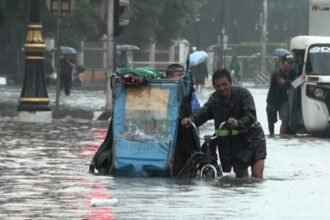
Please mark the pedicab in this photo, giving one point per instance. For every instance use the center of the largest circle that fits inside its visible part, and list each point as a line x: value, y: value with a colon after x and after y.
x: 143, y: 134
x: 144, y: 137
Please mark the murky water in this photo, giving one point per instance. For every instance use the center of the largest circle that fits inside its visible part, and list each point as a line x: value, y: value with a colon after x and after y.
x: 44, y: 175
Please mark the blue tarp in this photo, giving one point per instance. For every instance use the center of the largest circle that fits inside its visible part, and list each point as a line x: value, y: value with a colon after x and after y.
x: 145, y: 123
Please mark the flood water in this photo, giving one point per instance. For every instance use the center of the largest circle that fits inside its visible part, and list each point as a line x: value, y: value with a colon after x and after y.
x: 44, y: 175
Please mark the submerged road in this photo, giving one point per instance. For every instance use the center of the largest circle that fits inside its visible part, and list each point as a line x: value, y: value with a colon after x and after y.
x: 44, y: 175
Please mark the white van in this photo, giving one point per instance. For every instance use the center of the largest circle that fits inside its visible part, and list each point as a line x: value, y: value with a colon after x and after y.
x: 312, y: 58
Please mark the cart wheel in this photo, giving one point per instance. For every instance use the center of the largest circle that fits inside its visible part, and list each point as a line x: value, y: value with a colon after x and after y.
x: 208, y: 171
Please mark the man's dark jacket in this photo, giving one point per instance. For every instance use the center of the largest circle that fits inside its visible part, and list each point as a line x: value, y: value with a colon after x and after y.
x: 278, y: 94
x: 239, y: 147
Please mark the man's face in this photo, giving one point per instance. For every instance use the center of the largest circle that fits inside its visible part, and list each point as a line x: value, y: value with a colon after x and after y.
x: 174, y: 75
x: 222, y: 86
x: 287, y: 65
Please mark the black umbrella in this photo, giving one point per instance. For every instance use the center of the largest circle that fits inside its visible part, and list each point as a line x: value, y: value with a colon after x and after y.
x: 279, y: 52
x: 65, y: 50
x: 127, y: 47
x: 212, y: 47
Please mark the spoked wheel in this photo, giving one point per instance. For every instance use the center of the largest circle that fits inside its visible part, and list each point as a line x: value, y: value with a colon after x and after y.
x: 190, y: 169
x: 202, y: 163
x: 208, y: 171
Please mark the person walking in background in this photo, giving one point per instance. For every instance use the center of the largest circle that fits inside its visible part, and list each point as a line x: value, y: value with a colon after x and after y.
x: 200, y: 74
x: 235, y: 70
x: 242, y: 144
x: 48, y: 68
x: 67, y: 66
x: 277, y: 97
x: 190, y: 105
x: 175, y: 71
x: 123, y: 61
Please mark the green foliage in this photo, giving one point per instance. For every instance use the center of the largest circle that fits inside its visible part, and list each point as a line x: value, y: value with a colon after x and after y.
x: 174, y: 17
x: 84, y: 19
x: 14, y: 10
x: 287, y: 19
x: 159, y: 21
x: 81, y: 24
x: 13, y: 15
x: 143, y: 20
x: 2, y: 12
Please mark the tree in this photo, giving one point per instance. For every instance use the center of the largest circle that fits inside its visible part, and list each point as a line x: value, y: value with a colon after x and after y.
x: 242, y: 21
x: 287, y: 19
x: 159, y: 21
x: 81, y: 24
x: 13, y: 20
x: 175, y: 16
x: 14, y: 16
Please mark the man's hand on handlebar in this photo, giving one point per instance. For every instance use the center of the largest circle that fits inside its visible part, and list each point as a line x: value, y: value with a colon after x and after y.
x: 233, y: 123
x: 186, y: 122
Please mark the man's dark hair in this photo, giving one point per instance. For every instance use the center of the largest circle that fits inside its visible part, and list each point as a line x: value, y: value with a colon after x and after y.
x: 287, y: 58
x: 220, y: 74
x: 175, y: 67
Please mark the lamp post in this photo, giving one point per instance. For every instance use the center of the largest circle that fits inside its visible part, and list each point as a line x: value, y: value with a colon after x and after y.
x: 110, y: 53
x: 59, y: 8
x: 221, y: 36
x: 264, y: 37
x: 33, y: 102
x: 235, y: 40
x: 198, y: 36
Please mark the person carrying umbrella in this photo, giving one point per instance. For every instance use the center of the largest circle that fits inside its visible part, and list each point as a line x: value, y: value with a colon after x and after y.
x: 200, y: 74
x: 190, y: 104
x: 67, y: 65
x: 198, y: 68
x: 279, y: 53
x: 175, y: 71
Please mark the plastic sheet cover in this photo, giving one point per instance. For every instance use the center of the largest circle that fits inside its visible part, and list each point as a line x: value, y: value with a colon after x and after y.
x: 145, y: 128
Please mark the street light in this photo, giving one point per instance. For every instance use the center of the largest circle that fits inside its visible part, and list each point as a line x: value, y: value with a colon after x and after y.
x: 66, y: 6
x: 117, y: 20
x: 33, y: 101
x: 59, y: 8
x: 221, y: 35
x: 264, y: 36
x: 198, y: 37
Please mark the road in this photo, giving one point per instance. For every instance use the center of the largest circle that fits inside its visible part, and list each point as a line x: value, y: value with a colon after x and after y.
x: 44, y: 175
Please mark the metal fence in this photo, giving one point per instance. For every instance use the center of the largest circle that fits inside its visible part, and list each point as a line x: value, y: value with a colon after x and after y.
x: 93, y: 56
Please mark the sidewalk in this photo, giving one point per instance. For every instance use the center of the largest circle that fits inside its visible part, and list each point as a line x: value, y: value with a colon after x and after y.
x: 82, y: 103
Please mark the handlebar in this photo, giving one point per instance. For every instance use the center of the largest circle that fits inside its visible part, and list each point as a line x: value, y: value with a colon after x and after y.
x: 222, y: 124
x: 206, y: 137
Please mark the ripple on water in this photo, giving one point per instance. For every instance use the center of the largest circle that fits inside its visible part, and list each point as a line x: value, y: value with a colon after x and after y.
x: 43, y: 174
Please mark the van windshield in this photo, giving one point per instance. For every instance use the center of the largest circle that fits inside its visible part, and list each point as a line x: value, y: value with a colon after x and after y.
x: 318, y: 60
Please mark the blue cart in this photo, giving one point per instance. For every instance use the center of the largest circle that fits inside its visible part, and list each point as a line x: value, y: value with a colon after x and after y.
x: 143, y: 137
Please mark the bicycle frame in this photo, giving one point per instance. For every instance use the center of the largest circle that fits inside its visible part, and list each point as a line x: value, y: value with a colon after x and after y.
x: 203, y: 164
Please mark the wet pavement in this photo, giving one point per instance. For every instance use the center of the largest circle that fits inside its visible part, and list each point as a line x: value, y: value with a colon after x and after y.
x: 44, y: 173
x: 81, y: 103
